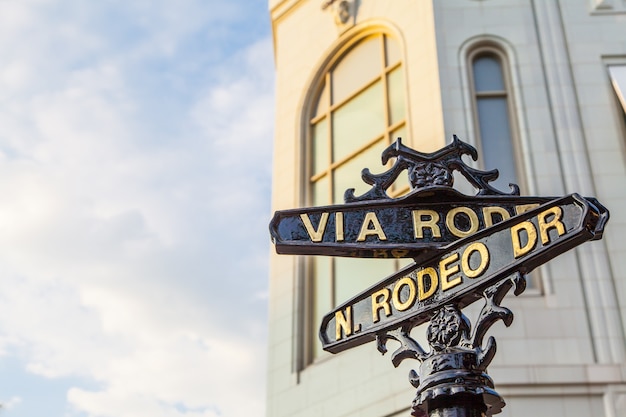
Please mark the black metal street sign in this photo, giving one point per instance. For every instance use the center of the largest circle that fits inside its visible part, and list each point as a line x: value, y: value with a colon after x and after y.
x: 464, y: 247
x: 463, y: 270
x: 402, y: 228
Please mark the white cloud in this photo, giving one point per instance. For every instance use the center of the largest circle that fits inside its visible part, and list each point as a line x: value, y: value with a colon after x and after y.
x: 133, y: 219
x: 11, y: 403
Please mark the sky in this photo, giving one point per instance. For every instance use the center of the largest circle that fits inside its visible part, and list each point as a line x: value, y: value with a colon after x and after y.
x: 135, y: 170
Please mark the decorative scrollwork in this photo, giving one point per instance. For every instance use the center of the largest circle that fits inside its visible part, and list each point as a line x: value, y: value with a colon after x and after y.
x: 427, y: 170
x: 457, y: 360
x: 447, y: 328
x: 409, y: 348
x: 430, y: 173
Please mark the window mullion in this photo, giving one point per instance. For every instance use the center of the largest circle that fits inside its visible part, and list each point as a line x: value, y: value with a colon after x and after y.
x: 329, y: 138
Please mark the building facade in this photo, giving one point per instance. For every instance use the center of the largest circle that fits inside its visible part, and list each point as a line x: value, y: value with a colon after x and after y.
x: 539, y: 88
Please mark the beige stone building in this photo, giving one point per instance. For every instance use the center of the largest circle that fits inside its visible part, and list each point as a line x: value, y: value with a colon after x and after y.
x: 539, y: 88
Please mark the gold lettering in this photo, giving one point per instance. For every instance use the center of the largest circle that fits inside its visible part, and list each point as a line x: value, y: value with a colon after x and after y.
x: 445, y: 273
x: 434, y: 282
x: 523, y: 208
x: 531, y: 233
x: 469, y: 213
x: 339, y: 226
x: 484, y: 259
x: 343, y: 323
x: 555, y: 223
x: 397, y: 302
x: 380, y: 299
x: 419, y: 223
x: 370, y: 218
x: 315, y: 235
x: 399, y: 253
x: 380, y: 253
x: 488, y: 213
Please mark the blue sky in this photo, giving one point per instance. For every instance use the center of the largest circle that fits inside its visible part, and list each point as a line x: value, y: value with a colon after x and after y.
x: 135, y: 160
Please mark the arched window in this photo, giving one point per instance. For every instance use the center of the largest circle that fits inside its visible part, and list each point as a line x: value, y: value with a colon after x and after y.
x: 358, y: 111
x: 494, y: 118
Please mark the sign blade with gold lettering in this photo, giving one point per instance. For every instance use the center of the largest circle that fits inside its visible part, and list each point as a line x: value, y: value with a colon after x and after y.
x: 399, y: 228
x: 463, y: 270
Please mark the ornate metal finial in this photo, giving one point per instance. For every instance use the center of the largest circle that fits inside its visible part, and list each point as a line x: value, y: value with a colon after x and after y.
x: 428, y: 171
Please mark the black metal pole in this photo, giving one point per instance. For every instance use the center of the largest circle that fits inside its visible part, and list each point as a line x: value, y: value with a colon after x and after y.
x: 457, y: 406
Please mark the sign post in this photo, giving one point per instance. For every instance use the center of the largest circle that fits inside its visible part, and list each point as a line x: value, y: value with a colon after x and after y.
x: 465, y: 248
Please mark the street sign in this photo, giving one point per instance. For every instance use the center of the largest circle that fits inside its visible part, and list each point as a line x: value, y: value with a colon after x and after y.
x: 464, y: 248
x: 400, y: 228
x: 463, y: 270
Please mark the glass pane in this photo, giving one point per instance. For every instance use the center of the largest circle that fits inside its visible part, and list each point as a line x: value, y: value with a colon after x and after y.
x: 322, y: 102
x: 400, y: 133
x: 357, y: 68
x: 392, y: 51
x: 321, y: 153
x: 355, y: 275
x: 348, y: 175
x: 320, y: 193
x: 358, y: 121
x: 401, y: 185
x: 488, y: 73
x: 322, y: 296
x: 495, y: 133
x: 395, y: 88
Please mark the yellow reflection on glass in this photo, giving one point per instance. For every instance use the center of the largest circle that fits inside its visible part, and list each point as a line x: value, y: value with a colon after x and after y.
x: 354, y: 275
x: 392, y: 51
x: 401, y: 185
x: 321, y: 151
x: 321, y: 192
x: 323, y: 102
x: 322, y: 294
x: 348, y: 175
x: 395, y: 87
x: 359, y: 67
x: 358, y: 121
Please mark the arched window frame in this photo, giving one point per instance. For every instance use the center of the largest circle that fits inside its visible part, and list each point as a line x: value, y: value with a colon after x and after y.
x: 496, y: 51
x: 306, y: 332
